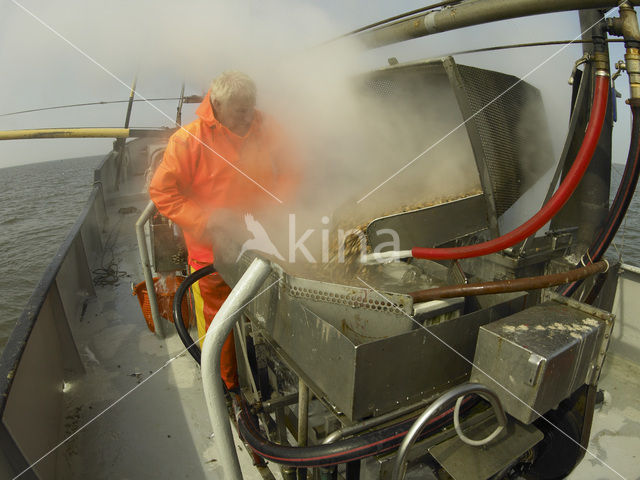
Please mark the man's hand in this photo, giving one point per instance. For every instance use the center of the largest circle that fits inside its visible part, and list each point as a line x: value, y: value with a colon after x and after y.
x: 226, y: 232
x: 223, y: 222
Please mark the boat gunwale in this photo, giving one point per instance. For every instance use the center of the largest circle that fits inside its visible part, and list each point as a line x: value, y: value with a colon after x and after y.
x: 17, y: 342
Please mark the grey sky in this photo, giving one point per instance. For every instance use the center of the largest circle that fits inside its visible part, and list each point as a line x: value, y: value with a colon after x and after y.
x: 166, y: 42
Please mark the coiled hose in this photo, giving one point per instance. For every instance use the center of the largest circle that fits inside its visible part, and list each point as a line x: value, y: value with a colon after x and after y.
x: 342, y: 451
x: 178, y: 321
x: 620, y: 204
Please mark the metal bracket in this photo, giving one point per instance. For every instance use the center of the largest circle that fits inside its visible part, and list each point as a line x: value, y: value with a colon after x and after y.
x: 582, y: 60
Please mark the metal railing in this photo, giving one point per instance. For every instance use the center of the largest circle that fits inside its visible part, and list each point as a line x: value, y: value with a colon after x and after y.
x: 458, y: 393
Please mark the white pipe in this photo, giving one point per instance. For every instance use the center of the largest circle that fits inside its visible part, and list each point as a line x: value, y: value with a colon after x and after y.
x: 474, y: 443
x: 222, y: 324
x: 146, y: 267
x: 384, y: 257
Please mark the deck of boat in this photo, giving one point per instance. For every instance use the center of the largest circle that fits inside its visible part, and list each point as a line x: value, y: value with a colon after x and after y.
x: 614, y: 448
x: 141, y: 397
x: 138, y: 408
x: 142, y: 401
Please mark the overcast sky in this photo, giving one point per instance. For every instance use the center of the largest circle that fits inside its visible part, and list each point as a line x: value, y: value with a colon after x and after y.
x: 167, y: 42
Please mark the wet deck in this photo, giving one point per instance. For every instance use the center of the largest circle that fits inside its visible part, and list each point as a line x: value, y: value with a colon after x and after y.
x: 143, y: 405
x: 614, y: 449
x: 139, y: 411
x: 141, y: 401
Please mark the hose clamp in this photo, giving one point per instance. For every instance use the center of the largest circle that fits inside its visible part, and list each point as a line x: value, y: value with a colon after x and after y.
x: 602, y: 73
x: 582, y: 259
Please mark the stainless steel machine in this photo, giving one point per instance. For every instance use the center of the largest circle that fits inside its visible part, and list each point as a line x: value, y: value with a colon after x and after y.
x: 358, y: 351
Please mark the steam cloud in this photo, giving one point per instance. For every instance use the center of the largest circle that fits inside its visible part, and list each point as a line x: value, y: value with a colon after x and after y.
x: 348, y: 144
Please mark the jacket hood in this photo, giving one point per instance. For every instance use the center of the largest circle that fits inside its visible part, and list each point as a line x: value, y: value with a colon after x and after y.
x: 205, y: 112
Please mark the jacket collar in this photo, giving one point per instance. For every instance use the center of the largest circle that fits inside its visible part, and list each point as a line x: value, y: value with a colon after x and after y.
x: 205, y: 112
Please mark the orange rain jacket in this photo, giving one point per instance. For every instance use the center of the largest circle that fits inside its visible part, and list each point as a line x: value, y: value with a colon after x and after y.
x: 197, y: 174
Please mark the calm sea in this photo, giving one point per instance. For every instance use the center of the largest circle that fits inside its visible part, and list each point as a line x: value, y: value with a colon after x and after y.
x: 38, y: 205
x: 40, y: 202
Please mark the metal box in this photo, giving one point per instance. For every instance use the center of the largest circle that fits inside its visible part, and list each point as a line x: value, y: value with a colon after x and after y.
x: 365, y: 355
x: 536, y: 358
x: 167, y: 249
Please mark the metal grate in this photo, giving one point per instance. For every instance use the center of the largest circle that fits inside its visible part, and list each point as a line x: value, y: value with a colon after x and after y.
x: 382, y: 87
x: 351, y: 300
x: 496, y: 104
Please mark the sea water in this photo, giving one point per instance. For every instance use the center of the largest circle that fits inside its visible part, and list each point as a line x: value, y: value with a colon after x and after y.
x: 38, y: 205
x: 40, y: 202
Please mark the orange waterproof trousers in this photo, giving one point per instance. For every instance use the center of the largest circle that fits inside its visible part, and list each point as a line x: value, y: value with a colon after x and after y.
x: 208, y: 294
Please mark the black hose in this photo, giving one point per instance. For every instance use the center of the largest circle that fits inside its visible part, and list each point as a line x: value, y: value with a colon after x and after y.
x: 187, y: 341
x: 342, y: 451
x: 620, y: 204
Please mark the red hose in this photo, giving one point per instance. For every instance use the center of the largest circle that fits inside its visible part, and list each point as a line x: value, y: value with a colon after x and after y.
x: 565, y: 190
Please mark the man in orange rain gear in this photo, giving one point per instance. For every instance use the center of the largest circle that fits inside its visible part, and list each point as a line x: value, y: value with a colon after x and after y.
x: 229, y: 159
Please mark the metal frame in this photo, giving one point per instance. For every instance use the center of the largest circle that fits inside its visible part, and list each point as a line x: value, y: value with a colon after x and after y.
x: 148, y: 212
x: 455, y: 393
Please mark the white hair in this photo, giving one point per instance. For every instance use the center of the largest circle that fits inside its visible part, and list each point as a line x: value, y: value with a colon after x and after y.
x: 232, y: 84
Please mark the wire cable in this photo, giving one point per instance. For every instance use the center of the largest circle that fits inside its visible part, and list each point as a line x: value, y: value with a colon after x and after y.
x: 532, y: 44
x: 73, y: 105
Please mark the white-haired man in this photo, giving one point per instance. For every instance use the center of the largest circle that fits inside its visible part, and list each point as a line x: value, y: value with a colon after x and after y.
x: 225, y: 160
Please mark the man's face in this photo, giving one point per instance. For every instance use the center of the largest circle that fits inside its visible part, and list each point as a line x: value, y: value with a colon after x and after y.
x: 236, y: 114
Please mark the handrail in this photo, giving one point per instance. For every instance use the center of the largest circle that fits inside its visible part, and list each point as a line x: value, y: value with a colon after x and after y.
x: 221, y: 326
x: 458, y: 392
x: 148, y: 212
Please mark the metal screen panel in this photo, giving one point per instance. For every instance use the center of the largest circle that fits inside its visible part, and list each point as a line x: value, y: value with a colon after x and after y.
x: 509, y: 117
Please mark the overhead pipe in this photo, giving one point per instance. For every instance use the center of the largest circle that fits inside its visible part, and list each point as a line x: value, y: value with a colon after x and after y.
x: 565, y: 190
x: 470, y: 13
x: 222, y: 324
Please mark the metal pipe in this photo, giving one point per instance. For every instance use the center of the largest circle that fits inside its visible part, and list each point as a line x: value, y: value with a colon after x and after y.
x: 303, y: 420
x: 303, y: 413
x: 399, y: 468
x: 179, y: 109
x: 470, y: 13
x: 631, y: 33
x: 271, y: 405
x: 371, y: 422
x: 514, y: 285
x: 65, y: 133
x: 221, y: 326
x: 130, y: 104
x: 146, y: 267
